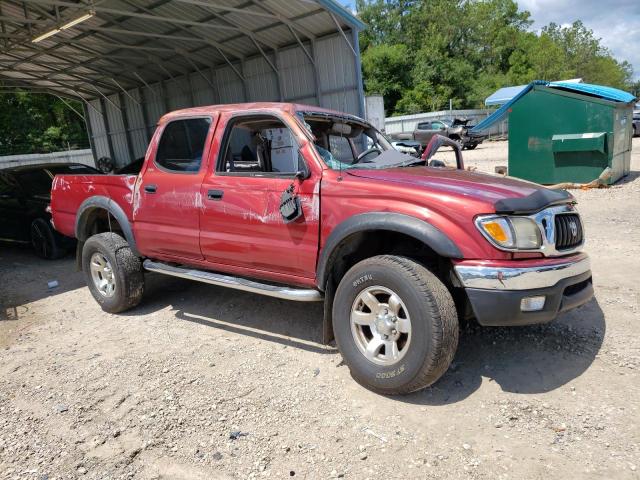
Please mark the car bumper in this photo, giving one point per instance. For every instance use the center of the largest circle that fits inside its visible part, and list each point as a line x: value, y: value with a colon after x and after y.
x: 496, y: 291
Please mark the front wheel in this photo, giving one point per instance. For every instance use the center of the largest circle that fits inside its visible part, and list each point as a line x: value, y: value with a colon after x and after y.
x: 113, y: 272
x: 395, y: 324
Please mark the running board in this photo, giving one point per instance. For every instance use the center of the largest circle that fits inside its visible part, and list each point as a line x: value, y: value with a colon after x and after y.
x: 286, y: 293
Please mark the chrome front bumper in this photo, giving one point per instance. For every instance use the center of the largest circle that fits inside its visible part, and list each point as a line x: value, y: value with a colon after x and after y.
x: 496, y: 293
x: 514, y: 278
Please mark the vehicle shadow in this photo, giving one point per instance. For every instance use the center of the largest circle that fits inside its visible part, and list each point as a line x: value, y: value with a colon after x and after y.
x: 295, y: 324
x: 24, y: 279
x: 530, y: 359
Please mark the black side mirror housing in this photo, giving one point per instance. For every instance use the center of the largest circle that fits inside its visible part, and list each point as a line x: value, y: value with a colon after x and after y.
x: 303, y: 170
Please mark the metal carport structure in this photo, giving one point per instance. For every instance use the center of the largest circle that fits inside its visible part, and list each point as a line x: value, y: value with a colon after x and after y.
x: 130, y: 61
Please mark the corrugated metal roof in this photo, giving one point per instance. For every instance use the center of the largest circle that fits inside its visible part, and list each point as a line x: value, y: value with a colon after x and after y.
x: 128, y: 43
x: 599, y: 91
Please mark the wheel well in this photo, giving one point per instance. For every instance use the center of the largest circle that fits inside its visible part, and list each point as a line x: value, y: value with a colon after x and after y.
x: 99, y: 220
x: 366, y: 244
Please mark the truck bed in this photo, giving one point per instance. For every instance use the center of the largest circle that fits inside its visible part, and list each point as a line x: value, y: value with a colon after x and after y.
x: 69, y: 191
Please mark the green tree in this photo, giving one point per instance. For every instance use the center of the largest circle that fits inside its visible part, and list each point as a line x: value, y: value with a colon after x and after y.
x: 39, y: 123
x: 426, y: 53
x: 587, y: 57
x: 387, y: 71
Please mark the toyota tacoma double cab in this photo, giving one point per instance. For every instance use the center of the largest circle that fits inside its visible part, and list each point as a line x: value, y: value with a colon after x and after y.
x: 307, y: 204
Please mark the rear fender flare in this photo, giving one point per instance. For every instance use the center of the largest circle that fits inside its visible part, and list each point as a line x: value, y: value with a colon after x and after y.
x: 395, y: 222
x: 104, y: 203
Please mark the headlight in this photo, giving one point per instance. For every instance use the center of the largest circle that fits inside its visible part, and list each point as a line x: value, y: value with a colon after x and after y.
x: 517, y: 233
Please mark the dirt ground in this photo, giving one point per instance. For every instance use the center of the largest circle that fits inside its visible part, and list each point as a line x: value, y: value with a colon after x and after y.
x: 201, y: 382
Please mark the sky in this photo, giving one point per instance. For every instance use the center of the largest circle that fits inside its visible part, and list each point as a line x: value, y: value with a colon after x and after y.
x: 616, y: 22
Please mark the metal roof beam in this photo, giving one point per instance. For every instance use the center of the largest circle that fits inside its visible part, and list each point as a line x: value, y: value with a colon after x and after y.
x: 22, y: 21
x: 135, y: 33
x: 211, y: 42
x: 129, y: 13
x: 267, y: 27
x: 65, y: 70
x: 343, y: 34
x: 84, y: 35
x: 245, y: 31
x: 290, y: 24
x: 73, y: 88
x: 244, y: 11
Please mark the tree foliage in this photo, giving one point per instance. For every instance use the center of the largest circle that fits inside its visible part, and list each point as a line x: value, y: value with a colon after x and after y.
x: 39, y: 123
x: 422, y: 54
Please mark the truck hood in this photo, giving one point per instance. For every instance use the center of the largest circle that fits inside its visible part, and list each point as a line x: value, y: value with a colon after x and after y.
x: 505, y: 194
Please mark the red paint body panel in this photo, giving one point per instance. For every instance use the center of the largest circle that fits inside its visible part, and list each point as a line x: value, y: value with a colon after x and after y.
x: 244, y: 234
x: 69, y: 191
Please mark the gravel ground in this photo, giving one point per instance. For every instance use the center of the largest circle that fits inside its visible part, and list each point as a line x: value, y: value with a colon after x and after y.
x: 201, y: 382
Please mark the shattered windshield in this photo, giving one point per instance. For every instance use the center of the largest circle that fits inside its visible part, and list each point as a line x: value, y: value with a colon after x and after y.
x: 346, y: 142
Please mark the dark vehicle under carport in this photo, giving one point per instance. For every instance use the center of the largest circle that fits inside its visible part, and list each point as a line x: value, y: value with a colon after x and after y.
x: 25, y: 193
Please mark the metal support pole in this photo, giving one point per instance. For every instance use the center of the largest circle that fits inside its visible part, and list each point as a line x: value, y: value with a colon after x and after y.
x: 107, y: 129
x: 70, y: 106
x: 87, y: 122
x: 125, y: 123
x: 163, y: 95
x: 278, y: 76
x: 359, y: 81
x: 145, y: 115
x: 316, y: 73
x: 245, y: 90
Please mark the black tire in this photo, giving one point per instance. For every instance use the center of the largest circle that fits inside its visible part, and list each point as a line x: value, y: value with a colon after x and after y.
x: 471, y: 146
x: 125, y: 267
x: 433, y: 324
x: 45, y: 241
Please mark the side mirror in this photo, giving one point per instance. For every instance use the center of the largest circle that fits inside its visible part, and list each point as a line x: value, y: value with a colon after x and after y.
x: 303, y: 174
x: 303, y: 170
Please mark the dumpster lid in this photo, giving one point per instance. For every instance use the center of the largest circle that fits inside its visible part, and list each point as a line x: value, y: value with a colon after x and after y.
x: 600, y: 91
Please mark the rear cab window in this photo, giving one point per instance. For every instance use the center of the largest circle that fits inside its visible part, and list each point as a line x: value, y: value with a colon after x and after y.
x: 182, y: 145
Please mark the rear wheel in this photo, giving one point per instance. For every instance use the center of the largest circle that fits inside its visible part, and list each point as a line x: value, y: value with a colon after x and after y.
x: 395, y: 324
x: 112, y: 271
x: 44, y: 240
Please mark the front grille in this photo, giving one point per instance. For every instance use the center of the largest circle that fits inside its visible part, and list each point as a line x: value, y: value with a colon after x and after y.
x: 568, y: 231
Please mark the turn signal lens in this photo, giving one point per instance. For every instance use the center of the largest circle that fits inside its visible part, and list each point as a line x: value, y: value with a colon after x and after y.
x: 499, y: 230
x: 521, y: 233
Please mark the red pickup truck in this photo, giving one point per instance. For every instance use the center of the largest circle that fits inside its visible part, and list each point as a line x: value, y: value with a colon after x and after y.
x: 308, y: 204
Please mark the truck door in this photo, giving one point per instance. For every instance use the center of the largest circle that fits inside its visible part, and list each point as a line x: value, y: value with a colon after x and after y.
x: 241, y: 225
x: 166, y: 210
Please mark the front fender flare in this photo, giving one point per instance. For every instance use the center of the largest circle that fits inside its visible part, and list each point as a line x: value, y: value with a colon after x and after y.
x: 395, y: 222
x: 104, y: 203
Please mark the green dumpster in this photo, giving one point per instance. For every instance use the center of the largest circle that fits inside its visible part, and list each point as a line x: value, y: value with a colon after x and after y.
x: 567, y: 132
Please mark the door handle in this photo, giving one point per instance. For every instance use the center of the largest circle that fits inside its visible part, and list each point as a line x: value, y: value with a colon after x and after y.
x: 215, y: 194
x: 150, y: 188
